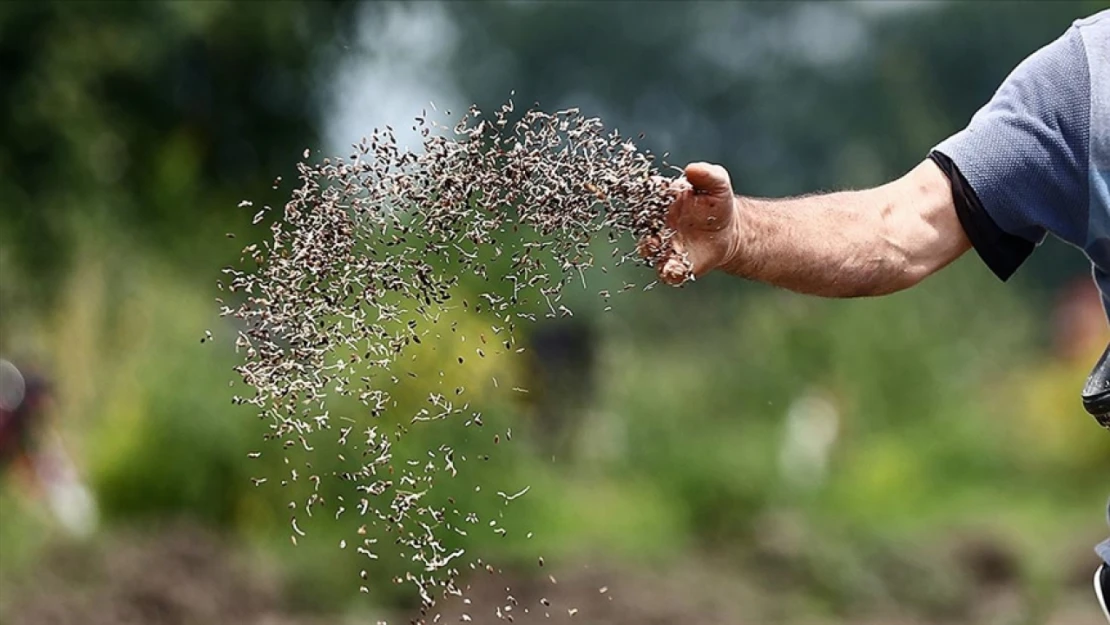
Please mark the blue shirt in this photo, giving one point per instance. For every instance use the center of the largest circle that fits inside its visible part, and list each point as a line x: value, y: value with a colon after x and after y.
x: 1035, y: 160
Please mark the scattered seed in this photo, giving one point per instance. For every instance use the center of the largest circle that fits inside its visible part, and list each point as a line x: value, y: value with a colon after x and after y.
x: 366, y: 257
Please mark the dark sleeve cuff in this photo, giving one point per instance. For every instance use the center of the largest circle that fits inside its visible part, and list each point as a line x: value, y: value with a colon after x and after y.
x: 1002, y: 252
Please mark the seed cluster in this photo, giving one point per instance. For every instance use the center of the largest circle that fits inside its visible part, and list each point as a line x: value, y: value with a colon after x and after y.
x: 372, y: 249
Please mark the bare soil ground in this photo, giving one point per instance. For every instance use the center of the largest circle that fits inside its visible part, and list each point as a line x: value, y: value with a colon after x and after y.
x: 180, y: 575
x: 183, y: 575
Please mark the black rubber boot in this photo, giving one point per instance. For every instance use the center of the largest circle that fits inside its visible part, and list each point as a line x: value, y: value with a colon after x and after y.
x: 1102, y: 589
x: 1096, y: 392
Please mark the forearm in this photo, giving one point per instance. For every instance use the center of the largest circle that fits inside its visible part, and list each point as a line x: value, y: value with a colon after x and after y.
x: 850, y: 244
x: 833, y: 245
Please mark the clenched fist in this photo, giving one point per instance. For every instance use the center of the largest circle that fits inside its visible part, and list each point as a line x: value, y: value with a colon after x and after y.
x: 704, y: 218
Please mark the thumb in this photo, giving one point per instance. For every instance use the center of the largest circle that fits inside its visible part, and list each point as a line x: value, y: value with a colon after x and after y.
x: 708, y: 178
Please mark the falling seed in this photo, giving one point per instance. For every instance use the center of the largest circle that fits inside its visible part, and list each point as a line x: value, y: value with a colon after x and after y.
x: 352, y: 274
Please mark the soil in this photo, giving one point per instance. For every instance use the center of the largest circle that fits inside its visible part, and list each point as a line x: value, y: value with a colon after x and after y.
x: 185, y: 575
x: 179, y: 575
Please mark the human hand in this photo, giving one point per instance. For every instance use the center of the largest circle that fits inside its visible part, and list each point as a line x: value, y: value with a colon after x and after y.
x: 704, y: 218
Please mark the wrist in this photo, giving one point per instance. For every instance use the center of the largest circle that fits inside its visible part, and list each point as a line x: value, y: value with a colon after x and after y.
x: 734, y: 260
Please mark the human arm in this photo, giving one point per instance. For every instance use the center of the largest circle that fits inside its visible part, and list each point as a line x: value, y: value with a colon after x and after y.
x: 1018, y: 171
x: 845, y: 244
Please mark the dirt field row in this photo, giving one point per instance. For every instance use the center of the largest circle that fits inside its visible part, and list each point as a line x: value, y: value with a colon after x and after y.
x: 187, y: 576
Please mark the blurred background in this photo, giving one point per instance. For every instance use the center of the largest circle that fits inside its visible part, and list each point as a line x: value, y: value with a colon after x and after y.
x: 723, y: 453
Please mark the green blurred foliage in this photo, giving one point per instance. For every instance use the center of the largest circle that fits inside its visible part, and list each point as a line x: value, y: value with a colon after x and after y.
x: 150, y: 119
x: 130, y: 131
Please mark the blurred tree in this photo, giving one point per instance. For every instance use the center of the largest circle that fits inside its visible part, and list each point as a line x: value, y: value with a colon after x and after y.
x: 154, y: 119
x: 149, y: 119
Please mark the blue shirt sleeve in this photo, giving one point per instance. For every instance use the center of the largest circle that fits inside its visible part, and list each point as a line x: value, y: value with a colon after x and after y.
x: 1025, y: 153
